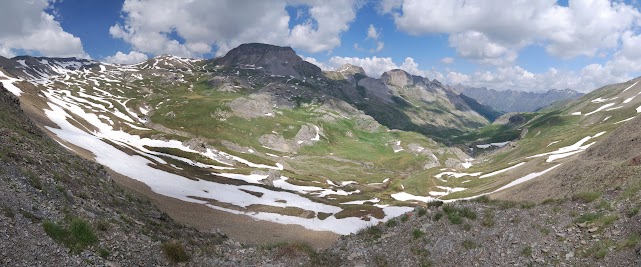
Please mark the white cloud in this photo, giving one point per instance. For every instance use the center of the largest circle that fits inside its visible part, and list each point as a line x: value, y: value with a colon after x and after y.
x: 132, y: 57
x: 493, y: 31
x: 24, y: 25
x: 204, y: 24
x: 372, y: 33
x: 587, y: 79
x: 447, y: 60
x: 373, y: 66
x: 319, y: 64
x: 379, y: 47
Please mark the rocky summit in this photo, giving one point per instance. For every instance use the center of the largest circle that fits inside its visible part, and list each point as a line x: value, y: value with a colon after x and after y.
x: 259, y: 158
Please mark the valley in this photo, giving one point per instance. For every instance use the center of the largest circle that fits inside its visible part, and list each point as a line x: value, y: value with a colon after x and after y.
x: 290, y: 145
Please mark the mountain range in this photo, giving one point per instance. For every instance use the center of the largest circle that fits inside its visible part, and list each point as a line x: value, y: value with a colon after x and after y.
x: 261, y: 139
x: 517, y: 101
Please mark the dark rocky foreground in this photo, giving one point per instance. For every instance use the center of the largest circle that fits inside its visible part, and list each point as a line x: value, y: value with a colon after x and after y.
x: 61, y: 210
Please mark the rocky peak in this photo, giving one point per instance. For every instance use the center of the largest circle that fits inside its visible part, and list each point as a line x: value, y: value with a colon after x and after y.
x: 349, y: 69
x: 275, y: 60
x: 397, y: 77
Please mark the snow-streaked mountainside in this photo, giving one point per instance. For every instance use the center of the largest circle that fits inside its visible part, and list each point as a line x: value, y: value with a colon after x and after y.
x: 517, y: 101
x: 261, y: 132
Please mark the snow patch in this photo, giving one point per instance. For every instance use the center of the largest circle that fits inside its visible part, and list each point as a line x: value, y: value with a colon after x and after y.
x: 600, y: 108
x: 569, y: 150
x: 502, y: 170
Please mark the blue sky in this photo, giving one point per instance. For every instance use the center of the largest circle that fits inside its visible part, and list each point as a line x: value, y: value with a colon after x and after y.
x: 532, y: 45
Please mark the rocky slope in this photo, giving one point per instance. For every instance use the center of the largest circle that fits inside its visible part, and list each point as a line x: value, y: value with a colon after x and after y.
x: 516, y: 101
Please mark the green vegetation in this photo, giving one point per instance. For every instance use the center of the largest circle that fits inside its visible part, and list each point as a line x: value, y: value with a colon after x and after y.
x: 175, y: 252
x: 390, y: 223
x: 372, y: 232
x: 527, y: 251
x: 417, y: 233
x: 103, y: 253
x: 469, y: 244
x: 32, y: 178
x: 488, y: 218
x: 586, y: 197
x: 76, y: 237
x: 421, y: 212
x: 633, y: 211
x: 456, y: 215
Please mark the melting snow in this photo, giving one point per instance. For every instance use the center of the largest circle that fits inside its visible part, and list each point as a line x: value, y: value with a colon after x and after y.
x: 485, y: 146
x: 600, y: 108
x: 576, y: 113
x: 526, y: 178
x: 553, y: 143
x: 630, y: 86
x: 601, y: 100
x: 317, y: 137
x: 568, y: 150
x: 502, y: 170
x: 468, y: 163
x: 456, y: 174
x: 622, y: 121
x: 8, y: 84
x: 361, y: 202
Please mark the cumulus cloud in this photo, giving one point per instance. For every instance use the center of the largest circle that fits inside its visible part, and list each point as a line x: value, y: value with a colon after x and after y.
x: 373, y: 66
x: 26, y: 26
x: 372, y: 33
x: 132, y: 57
x: 205, y: 25
x: 493, y: 31
x: 447, y: 60
x: 586, y: 79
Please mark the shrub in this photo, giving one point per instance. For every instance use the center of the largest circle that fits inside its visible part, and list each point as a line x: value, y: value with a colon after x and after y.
x: 488, y: 218
x: 33, y: 179
x: 455, y: 218
x: 103, y: 253
x: 586, y: 197
x: 630, y: 242
x: 435, y: 203
x: 82, y: 232
x: 632, y: 211
x: 468, y: 213
x: 417, y: 233
x: 469, y: 244
x: 456, y: 215
x: 437, y: 216
x: 467, y: 227
x: 390, y: 223
x: 421, y: 212
x: 527, y: 251
x: 588, y: 217
x: 79, y: 235
x: 404, y: 217
x: 175, y: 252
x: 371, y: 232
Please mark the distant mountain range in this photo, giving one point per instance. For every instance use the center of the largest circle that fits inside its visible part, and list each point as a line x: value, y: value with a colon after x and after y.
x: 516, y: 101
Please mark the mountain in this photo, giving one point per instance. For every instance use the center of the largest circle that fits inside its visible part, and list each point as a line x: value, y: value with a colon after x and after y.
x: 238, y: 142
x: 516, y: 101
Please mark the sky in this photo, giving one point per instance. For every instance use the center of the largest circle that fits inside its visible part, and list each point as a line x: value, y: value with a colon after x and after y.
x: 529, y: 45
